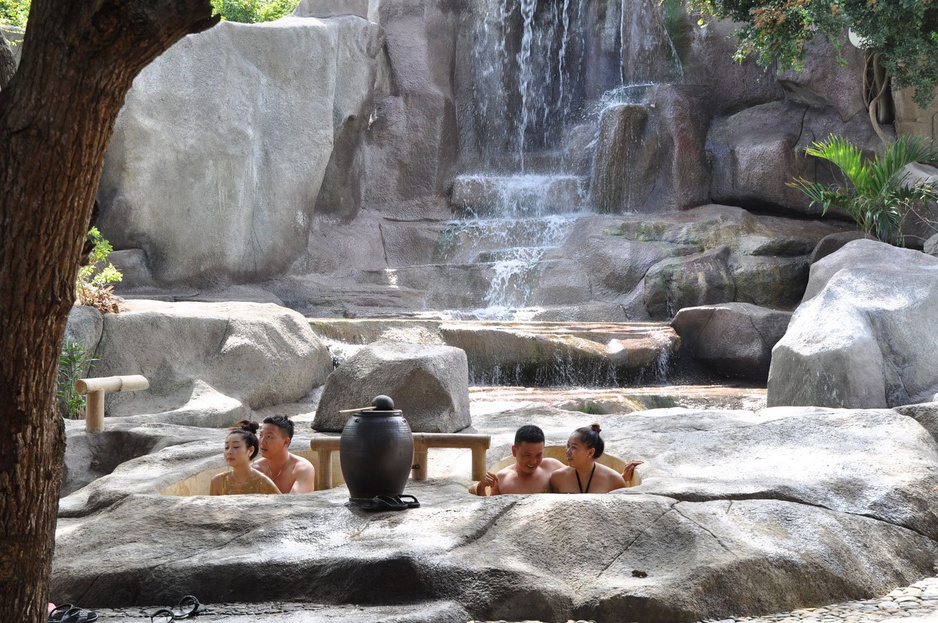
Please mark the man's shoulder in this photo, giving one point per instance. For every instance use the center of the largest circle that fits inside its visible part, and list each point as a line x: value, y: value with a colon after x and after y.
x: 552, y: 464
x: 301, y: 462
x: 508, y: 469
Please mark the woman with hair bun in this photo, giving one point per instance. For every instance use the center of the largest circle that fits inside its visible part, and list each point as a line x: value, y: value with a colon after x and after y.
x: 241, y: 446
x: 583, y: 474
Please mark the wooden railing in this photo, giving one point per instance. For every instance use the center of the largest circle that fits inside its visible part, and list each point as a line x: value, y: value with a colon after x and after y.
x: 325, y: 445
x: 95, y: 390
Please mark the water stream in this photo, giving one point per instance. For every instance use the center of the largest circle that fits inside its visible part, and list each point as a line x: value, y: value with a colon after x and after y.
x: 541, y: 74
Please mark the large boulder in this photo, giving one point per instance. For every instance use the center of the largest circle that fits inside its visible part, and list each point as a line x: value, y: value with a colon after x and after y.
x: 757, y: 151
x: 721, y: 254
x: 733, y: 339
x: 209, y: 363
x: 428, y: 383
x: 85, y: 325
x: 552, y: 354
x: 223, y: 143
x: 650, y: 153
x: 734, y: 512
x: 864, y: 337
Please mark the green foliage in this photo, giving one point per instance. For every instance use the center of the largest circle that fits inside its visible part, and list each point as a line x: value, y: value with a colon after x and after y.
x: 14, y: 12
x: 73, y: 364
x: 93, y: 286
x: 879, y: 195
x: 903, y: 33
x: 253, y: 11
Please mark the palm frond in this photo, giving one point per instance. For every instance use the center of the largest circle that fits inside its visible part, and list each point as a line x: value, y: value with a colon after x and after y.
x: 846, y: 156
x: 881, y: 195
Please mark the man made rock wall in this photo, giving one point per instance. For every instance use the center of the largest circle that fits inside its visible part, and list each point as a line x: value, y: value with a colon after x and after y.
x: 864, y: 337
x: 221, y: 149
x: 315, y: 156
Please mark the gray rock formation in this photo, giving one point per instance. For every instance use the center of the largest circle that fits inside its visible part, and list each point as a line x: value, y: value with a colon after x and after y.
x: 544, y: 355
x: 209, y: 364
x: 85, y: 325
x: 650, y: 152
x: 756, y: 151
x: 734, y: 511
x: 429, y: 384
x: 721, y: 254
x: 734, y: 340
x: 864, y: 336
x: 219, y: 153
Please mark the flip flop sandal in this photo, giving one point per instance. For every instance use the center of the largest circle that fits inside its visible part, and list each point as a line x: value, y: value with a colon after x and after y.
x: 68, y: 613
x: 188, y: 606
x: 409, y: 500
x: 381, y: 503
x: 163, y: 615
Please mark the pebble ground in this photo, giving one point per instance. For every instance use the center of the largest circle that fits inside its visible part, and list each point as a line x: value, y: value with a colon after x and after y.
x: 917, y: 603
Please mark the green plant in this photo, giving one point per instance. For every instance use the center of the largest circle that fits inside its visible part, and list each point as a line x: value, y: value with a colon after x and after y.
x: 879, y: 195
x: 14, y: 12
x: 93, y: 286
x: 73, y: 364
x: 253, y: 11
x: 899, y: 39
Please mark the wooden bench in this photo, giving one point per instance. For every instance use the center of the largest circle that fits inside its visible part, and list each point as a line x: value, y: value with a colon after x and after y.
x: 95, y: 390
x: 325, y: 445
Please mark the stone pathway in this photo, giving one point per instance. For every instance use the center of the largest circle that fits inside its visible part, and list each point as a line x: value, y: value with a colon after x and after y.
x: 917, y: 603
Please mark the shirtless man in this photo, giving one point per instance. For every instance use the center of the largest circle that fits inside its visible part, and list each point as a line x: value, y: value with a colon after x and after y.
x: 530, y: 473
x: 291, y: 473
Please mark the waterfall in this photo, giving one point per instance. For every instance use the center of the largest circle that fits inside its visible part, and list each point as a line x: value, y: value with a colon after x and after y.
x: 523, y: 55
x: 540, y: 70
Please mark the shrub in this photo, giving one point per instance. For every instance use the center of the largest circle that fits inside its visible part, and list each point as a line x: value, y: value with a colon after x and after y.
x: 253, y: 11
x: 93, y: 286
x: 14, y: 12
x: 879, y: 195
x: 73, y: 365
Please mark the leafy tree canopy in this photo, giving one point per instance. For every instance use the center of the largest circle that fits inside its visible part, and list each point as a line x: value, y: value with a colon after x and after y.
x: 904, y: 33
x: 15, y: 12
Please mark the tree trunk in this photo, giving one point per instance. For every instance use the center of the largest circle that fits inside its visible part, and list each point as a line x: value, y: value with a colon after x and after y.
x: 56, y: 118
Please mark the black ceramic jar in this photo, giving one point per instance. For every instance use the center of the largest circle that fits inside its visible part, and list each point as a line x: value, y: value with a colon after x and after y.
x: 376, y: 451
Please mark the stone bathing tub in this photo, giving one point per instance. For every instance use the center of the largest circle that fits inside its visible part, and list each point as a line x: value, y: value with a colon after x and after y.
x: 738, y: 513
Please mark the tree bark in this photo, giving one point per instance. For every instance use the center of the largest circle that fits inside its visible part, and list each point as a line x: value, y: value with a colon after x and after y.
x: 57, y: 115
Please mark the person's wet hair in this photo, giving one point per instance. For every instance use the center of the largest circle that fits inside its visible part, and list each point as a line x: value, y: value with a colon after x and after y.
x: 248, y: 431
x: 529, y: 433
x: 282, y: 422
x: 589, y: 435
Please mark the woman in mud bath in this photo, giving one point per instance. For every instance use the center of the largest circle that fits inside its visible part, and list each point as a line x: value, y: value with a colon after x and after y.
x: 583, y: 474
x: 241, y: 446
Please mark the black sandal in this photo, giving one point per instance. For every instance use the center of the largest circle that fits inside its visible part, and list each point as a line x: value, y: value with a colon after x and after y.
x: 409, y: 500
x: 163, y: 615
x: 384, y: 503
x: 188, y: 606
x: 68, y: 613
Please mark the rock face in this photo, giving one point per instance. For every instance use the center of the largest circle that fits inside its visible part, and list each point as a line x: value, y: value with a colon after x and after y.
x: 650, y: 153
x: 756, y: 151
x: 236, y: 202
x: 864, y: 335
x: 547, y: 354
x: 734, y: 340
x: 722, y: 525
x: 429, y: 384
x: 209, y: 364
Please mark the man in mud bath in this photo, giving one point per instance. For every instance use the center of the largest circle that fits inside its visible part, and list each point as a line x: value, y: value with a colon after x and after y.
x: 291, y: 473
x: 530, y: 473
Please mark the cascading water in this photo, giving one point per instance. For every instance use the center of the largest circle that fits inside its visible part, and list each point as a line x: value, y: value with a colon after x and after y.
x: 539, y: 69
